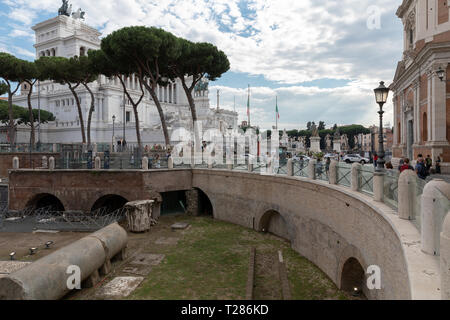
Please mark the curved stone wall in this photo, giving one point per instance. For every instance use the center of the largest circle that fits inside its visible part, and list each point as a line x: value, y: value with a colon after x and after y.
x: 326, y: 224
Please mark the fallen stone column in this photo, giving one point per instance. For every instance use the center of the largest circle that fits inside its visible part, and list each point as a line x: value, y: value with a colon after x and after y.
x: 46, y: 278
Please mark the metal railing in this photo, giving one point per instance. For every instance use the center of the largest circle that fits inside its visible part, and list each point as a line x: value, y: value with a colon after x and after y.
x: 344, y: 174
x: 366, y: 181
x: 390, y: 188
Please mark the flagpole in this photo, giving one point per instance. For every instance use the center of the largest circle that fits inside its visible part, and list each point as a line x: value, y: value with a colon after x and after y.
x: 248, y: 105
x: 276, y: 113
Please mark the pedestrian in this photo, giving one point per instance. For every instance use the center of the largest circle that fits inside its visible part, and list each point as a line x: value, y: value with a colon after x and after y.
x: 438, y: 165
x: 428, y: 164
x: 400, y: 164
x: 375, y: 159
x: 327, y: 164
x: 421, y: 170
x: 406, y: 165
x: 389, y: 165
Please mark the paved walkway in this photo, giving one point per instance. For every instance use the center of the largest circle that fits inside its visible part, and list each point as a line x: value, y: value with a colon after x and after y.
x: 445, y: 177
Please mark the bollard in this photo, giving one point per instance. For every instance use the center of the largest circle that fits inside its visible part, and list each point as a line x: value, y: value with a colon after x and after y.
x: 230, y: 166
x: 170, y: 162
x: 250, y: 167
x: 312, y: 169
x: 433, y: 214
x: 290, y: 167
x: 332, y: 173
x: 44, y: 162
x: 46, y: 278
x: 144, y: 163
x: 378, y: 186
x: 15, y: 163
x: 445, y: 259
x: 51, y: 163
x: 55, y: 148
x: 356, y: 177
x: 407, y: 185
x: 98, y: 163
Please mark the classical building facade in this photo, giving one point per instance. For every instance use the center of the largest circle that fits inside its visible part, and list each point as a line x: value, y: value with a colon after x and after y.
x: 421, y: 99
x: 68, y: 36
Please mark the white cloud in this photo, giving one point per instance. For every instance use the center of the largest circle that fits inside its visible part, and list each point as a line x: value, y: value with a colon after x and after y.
x: 285, y: 41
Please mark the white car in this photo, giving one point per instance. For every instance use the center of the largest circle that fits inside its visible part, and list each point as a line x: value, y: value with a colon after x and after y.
x: 351, y: 158
x: 298, y: 158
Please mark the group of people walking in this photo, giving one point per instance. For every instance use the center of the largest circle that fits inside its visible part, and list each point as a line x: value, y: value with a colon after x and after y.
x: 423, y: 166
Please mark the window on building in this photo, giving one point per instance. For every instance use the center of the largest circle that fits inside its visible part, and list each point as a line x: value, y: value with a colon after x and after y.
x: 127, y: 116
x: 424, y: 127
x: 174, y: 93
x: 411, y: 38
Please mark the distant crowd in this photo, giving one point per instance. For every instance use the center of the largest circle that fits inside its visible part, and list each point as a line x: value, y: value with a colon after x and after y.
x: 423, y: 168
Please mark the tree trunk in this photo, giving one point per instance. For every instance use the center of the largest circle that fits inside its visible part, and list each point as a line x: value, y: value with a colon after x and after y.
x: 135, y: 111
x: 91, y: 109
x: 80, y: 112
x: 11, y: 126
x: 194, y: 118
x: 30, y: 112
x: 160, y: 111
x: 138, y: 132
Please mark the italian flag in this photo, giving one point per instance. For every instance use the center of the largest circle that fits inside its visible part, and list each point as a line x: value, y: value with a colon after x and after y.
x: 276, y: 108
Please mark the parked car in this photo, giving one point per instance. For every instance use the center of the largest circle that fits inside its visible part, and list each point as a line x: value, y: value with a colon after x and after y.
x: 351, y: 158
x: 298, y: 158
x: 331, y: 155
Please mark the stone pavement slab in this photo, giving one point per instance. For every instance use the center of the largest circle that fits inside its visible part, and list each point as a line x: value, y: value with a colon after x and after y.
x: 120, y: 286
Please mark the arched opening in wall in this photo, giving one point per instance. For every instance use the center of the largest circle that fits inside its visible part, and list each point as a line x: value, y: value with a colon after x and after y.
x: 82, y: 51
x: 173, y: 203
x: 353, y: 276
x: 273, y: 222
x: 205, y: 207
x: 110, y: 203
x: 46, y: 200
x: 425, y: 127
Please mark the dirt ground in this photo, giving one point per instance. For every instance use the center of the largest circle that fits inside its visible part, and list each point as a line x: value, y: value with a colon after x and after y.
x: 206, y: 261
x: 22, y: 242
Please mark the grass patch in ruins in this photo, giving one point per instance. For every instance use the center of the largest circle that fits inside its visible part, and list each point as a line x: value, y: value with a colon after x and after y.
x: 210, y: 262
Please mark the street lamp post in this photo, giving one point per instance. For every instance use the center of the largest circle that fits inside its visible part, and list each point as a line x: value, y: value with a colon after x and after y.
x: 124, y: 121
x: 381, y: 95
x: 113, y: 135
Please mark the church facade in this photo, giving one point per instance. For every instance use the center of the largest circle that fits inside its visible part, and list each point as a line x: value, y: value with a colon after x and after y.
x: 69, y: 36
x: 421, y: 98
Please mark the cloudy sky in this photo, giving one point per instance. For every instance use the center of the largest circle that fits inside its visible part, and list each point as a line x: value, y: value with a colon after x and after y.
x: 322, y: 58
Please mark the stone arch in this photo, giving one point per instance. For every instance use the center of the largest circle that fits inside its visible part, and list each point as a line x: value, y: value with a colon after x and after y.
x: 111, y: 202
x: 273, y: 222
x: 351, y: 271
x: 205, y: 206
x: 43, y: 200
x: 83, y: 51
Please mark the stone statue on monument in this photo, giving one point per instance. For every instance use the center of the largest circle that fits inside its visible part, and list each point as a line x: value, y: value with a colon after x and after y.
x: 65, y: 10
x: 79, y: 14
x: 314, y: 130
x: 328, y: 142
x: 337, y: 134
